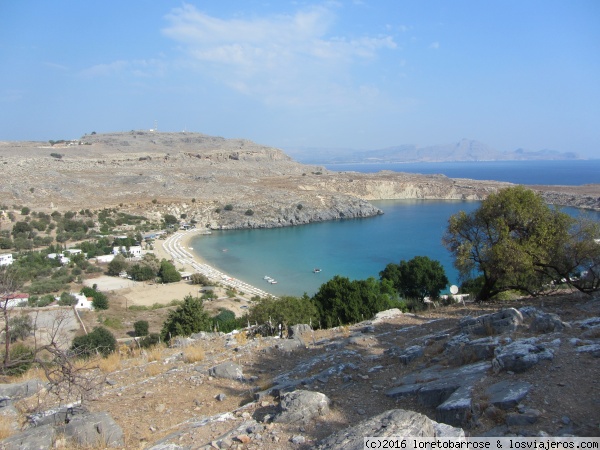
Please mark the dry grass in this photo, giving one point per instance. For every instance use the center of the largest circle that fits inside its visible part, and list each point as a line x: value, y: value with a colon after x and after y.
x: 154, y: 369
x: 33, y: 373
x: 193, y: 353
x: 5, y: 429
x: 155, y: 353
x: 241, y: 338
x: 111, y: 363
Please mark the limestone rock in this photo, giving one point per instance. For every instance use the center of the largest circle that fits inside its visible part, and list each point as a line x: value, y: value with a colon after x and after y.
x: 396, y: 422
x: 507, y: 394
x: 302, y: 406
x: 520, y: 355
x: 228, y: 370
x: 299, y: 329
x: 547, y: 323
x: 505, y: 321
x: 16, y: 391
x: 90, y: 429
x: 37, y: 438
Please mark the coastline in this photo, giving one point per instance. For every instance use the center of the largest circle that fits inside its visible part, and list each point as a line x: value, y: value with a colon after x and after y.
x: 175, y: 247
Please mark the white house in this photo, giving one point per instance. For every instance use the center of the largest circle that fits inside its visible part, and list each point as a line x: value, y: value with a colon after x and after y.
x: 83, y: 302
x: 6, y: 259
x: 105, y: 258
x: 73, y: 251
x: 135, y: 251
x: 62, y: 258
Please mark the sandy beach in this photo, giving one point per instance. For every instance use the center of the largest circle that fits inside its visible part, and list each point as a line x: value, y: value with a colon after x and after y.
x: 176, y: 248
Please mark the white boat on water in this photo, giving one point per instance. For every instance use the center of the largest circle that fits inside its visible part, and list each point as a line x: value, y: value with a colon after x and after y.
x: 317, y: 270
x: 272, y: 281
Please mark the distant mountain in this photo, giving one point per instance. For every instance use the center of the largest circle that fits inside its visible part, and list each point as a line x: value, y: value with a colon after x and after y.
x: 464, y: 150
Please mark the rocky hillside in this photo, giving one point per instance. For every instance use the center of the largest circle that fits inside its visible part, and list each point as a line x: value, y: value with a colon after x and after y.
x: 522, y: 368
x: 196, y: 174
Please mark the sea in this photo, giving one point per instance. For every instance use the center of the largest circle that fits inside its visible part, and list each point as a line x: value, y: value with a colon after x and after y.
x: 361, y: 248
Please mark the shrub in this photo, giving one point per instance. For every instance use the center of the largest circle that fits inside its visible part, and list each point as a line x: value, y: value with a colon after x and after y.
x: 198, y: 278
x: 20, y: 327
x: 21, y: 359
x: 150, y: 341
x: 288, y: 310
x: 228, y: 207
x: 168, y: 273
x: 100, y: 341
x: 141, y: 328
x: 249, y: 212
x: 186, y: 319
x: 67, y: 299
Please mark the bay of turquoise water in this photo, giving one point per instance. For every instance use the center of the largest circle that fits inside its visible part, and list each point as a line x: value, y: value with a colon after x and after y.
x: 361, y: 248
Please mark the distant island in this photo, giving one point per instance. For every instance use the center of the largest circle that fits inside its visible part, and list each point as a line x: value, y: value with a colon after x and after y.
x: 464, y: 150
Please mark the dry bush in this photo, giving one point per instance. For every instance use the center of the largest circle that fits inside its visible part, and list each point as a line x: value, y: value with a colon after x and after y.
x: 241, y: 338
x: 155, y: 353
x: 111, y: 363
x: 193, y: 353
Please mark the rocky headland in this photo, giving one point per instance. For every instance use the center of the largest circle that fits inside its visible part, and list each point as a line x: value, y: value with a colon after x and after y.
x: 196, y: 174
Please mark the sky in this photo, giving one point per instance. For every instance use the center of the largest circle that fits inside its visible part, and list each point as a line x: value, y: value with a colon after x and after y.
x: 356, y: 74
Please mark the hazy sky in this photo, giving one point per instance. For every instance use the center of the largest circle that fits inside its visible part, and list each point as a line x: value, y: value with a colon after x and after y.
x: 360, y: 74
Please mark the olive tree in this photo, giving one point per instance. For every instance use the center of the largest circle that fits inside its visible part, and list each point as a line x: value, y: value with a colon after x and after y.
x: 418, y: 278
x: 515, y: 241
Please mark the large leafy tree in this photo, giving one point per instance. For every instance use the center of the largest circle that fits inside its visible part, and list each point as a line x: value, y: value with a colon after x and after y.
x: 168, y: 273
x: 418, y: 278
x: 341, y: 301
x: 516, y: 241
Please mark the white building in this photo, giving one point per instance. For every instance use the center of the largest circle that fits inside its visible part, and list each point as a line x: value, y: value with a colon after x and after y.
x: 6, y: 259
x: 135, y: 251
x: 105, y: 258
x: 82, y: 301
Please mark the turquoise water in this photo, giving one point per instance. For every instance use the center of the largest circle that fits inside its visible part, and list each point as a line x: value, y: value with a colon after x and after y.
x: 357, y: 248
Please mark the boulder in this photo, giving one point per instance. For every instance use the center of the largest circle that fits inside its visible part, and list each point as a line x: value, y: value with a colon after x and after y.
x: 228, y: 370
x: 505, y: 321
x: 301, y: 406
x: 299, y: 329
x: 593, y: 349
x: 520, y: 355
x: 37, y: 438
x: 59, y: 416
x: 94, y: 428
x: 387, y: 314
x: 15, y: 391
x: 288, y: 345
x: 396, y: 422
x: 547, y: 323
x: 507, y: 394
x: 410, y: 354
x: 461, y: 350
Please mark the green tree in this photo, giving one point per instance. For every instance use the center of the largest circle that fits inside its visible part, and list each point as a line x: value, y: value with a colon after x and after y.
x: 418, y: 278
x: 141, y: 272
x: 141, y: 327
x: 341, y: 301
x: 170, y: 219
x: 67, y: 299
x: 99, y: 299
x: 100, y: 341
x: 168, y: 273
x: 117, y: 265
x: 199, y: 278
x: 186, y: 319
x: 287, y: 309
x: 515, y: 241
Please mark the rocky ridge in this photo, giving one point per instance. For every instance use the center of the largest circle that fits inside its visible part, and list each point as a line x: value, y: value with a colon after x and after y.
x: 265, y: 186
x: 517, y: 369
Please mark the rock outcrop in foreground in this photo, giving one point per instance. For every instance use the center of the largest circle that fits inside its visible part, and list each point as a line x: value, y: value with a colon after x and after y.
x: 480, y: 370
x: 198, y: 175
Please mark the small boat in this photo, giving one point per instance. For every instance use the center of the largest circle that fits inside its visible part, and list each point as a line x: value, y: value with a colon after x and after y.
x: 272, y: 281
x: 268, y: 278
x: 316, y: 270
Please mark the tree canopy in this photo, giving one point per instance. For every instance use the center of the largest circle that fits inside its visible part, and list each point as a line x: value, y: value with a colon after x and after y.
x: 186, y: 319
x: 341, y: 301
x: 418, y: 278
x: 515, y: 241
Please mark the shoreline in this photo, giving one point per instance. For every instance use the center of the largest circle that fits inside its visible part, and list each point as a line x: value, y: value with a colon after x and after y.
x: 176, y: 247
